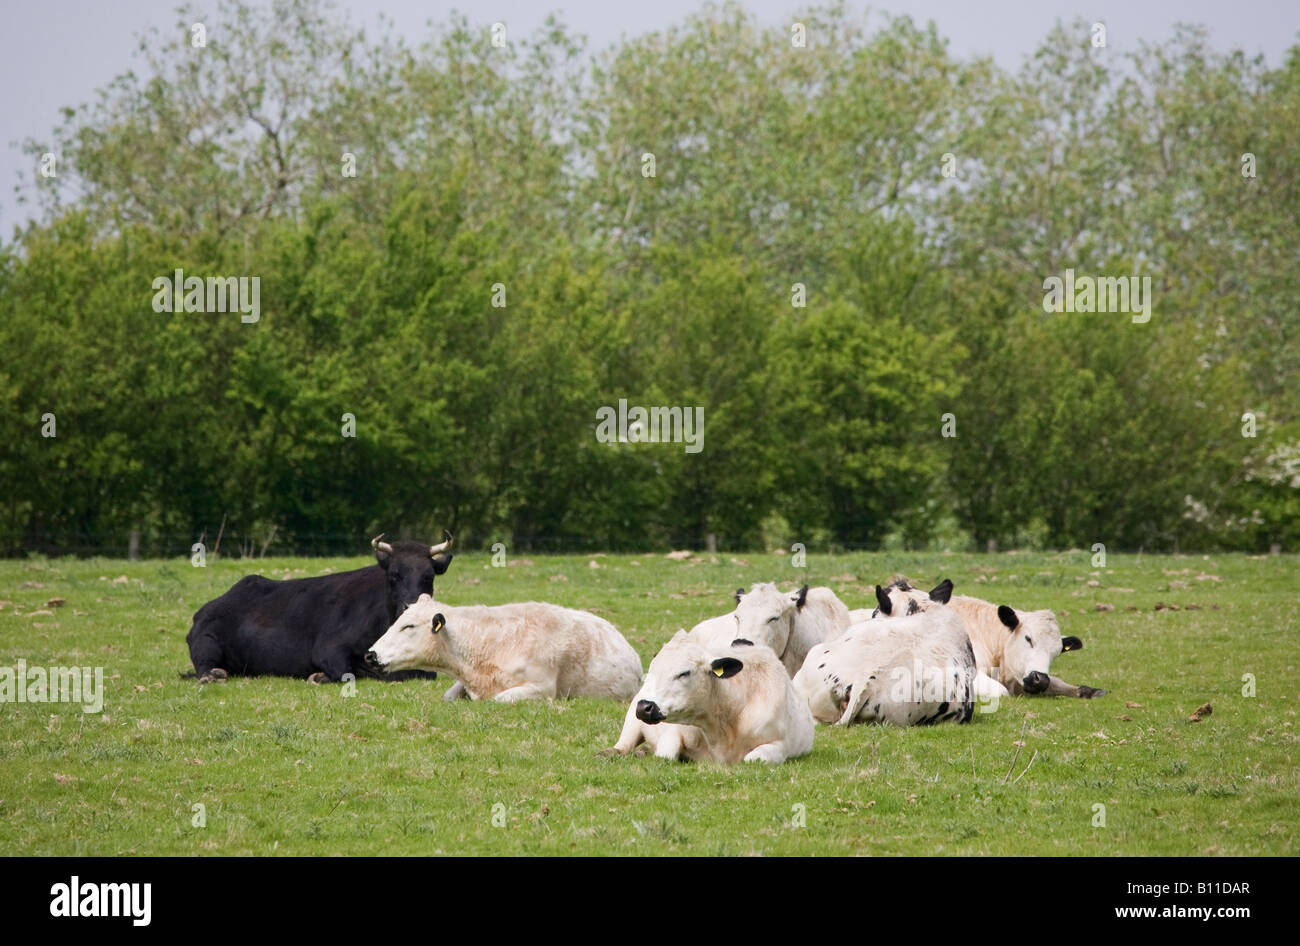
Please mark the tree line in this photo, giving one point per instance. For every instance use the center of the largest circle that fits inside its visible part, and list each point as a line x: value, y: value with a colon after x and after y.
x: 836, y: 250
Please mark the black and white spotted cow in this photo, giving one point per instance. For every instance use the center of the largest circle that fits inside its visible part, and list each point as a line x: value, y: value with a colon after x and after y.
x: 914, y: 670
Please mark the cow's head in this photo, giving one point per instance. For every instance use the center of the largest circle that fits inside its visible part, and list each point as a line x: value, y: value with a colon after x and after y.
x: 1035, y: 640
x: 410, y: 567
x: 415, y: 641
x: 766, y: 616
x: 683, y: 684
x: 900, y: 599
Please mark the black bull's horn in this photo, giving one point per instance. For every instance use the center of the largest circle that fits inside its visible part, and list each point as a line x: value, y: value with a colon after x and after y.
x: 442, y: 546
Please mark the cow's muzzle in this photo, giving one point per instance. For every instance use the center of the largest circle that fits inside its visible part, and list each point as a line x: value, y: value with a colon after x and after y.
x: 373, y: 662
x: 648, y: 711
x: 1036, y: 682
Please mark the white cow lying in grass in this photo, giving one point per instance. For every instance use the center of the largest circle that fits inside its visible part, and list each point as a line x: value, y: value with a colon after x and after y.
x: 910, y: 671
x: 792, y: 623
x: 1013, y: 647
x: 911, y: 601
x: 512, y: 652
x: 725, y: 704
x: 678, y: 741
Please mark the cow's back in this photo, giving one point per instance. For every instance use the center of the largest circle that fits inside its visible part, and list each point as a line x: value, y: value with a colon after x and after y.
x: 586, y: 653
x: 267, y: 627
x: 717, y: 632
x: 602, y: 663
x: 878, y: 665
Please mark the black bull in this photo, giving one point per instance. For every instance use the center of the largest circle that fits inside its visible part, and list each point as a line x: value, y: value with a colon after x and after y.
x: 319, y: 628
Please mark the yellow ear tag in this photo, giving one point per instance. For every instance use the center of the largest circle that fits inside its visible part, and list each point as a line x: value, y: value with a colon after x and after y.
x: 717, y: 671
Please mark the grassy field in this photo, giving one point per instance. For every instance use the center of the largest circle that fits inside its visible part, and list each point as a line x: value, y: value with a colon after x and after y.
x: 284, y: 767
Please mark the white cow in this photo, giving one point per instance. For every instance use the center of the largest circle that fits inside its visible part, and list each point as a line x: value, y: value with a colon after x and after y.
x: 910, y: 671
x: 1015, y: 648
x: 786, y: 623
x: 711, y: 633
x: 725, y: 705
x: 907, y: 600
x: 1018, y: 647
x: 790, y: 623
x: 512, y: 652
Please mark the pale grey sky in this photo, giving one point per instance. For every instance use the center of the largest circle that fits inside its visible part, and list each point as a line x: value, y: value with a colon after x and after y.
x: 58, y: 52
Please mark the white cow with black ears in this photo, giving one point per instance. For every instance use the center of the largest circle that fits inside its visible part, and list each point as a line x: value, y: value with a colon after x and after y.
x: 678, y: 741
x: 723, y: 705
x: 790, y: 623
x: 911, y: 601
x: 914, y: 670
x: 1015, y: 648
x: 512, y: 652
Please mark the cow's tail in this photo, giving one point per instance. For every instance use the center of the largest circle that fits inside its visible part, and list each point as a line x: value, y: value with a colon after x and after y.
x: 859, y: 691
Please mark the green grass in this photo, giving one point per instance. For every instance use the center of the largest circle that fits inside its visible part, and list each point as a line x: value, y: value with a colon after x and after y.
x: 285, y: 767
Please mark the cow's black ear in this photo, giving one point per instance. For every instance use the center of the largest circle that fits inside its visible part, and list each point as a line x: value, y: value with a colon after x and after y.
x: 882, y: 599
x: 941, y: 592
x: 439, y: 622
x: 726, y: 667
x: 1007, y: 615
x: 801, y: 597
x: 739, y: 593
x: 1071, y: 643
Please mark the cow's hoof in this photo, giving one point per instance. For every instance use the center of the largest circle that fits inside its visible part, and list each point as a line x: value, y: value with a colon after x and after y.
x: 611, y: 751
x: 215, y: 675
x: 1090, y: 693
x: 318, y: 678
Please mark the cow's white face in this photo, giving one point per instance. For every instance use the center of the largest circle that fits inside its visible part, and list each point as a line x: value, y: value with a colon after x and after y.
x: 766, y: 616
x: 900, y: 599
x: 413, y: 642
x: 681, y: 684
x: 1035, y: 640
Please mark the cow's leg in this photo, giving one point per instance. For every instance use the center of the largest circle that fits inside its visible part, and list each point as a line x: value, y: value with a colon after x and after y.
x: 767, y: 752
x: 986, y: 688
x: 668, y: 743
x: 1058, y: 687
x: 631, y: 736
x: 456, y: 692
x: 332, y: 661
x: 528, y: 691
x: 206, y: 655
